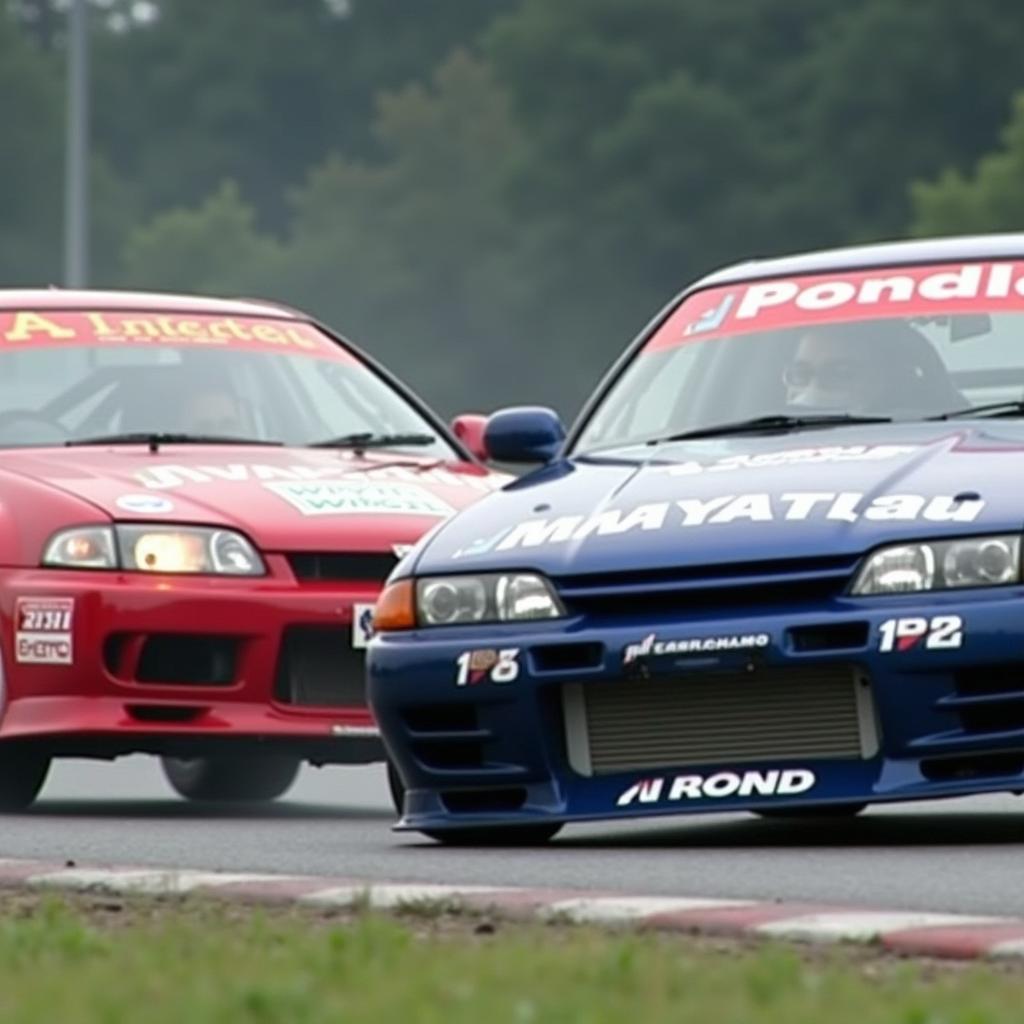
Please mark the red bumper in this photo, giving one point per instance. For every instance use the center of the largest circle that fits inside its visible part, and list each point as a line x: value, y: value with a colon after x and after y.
x: 126, y: 662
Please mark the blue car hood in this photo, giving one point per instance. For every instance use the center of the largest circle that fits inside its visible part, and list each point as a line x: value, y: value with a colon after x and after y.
x: 731, y: 500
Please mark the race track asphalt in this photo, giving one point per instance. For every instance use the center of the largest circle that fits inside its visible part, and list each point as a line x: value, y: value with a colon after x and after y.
x: 964, y: 855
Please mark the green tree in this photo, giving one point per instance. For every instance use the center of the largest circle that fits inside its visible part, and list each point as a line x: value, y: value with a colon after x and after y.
x: 989, y: 197
x: 214, y: 248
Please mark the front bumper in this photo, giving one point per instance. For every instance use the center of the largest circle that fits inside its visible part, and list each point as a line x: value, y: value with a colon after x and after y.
x: 184, y: 666
x: 935, y: 717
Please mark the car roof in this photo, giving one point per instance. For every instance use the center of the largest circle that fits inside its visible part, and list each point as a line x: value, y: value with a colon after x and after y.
x: 150, y: 302
x: 954, y: 249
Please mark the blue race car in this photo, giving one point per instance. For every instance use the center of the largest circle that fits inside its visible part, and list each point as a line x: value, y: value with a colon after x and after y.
x: 775, y: 566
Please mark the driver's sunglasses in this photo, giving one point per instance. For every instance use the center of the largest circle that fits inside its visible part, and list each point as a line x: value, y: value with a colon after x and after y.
x: 830, y: 374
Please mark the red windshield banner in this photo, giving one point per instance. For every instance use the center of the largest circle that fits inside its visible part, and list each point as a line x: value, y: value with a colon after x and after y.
x: 22, y: 329
x: 936, y: 290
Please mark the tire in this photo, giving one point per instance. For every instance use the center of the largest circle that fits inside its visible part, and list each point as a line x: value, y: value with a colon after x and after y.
x: 502, y: 835
x: 816, y: 811
x: 396, y: 787
x: 234, y: 779
x: 22, y: 775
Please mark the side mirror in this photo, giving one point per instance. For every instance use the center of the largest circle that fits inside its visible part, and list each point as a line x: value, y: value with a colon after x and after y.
x: 525, y: 433
x: 469, y: 429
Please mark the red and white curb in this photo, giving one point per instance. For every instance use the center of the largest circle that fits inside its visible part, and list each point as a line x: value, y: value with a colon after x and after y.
x: 957, y: 936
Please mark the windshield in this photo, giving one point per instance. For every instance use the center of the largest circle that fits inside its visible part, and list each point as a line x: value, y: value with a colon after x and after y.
x: 73, y: 376
x: 905, y: 343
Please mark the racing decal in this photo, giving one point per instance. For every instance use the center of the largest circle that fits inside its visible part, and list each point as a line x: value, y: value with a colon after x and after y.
x: 165, y: 476
x: 25, y: 328
x: 401, y: 550
x: 939, y: 633
x: 362, y: 625
x: 697, y: 645
x: 335, y: 498
x: 500, y: 666
x: 361, y: 731
x: 43, y: 630
x: 827, y: 298
x: 798, y: 506
x: 145, y: 504
x: 787, y: 782
x: 793, y: 457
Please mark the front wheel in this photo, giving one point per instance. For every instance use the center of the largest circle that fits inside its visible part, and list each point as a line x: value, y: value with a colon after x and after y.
x: 502, y: 835
x: 22, y: 774
x: 230, y: 778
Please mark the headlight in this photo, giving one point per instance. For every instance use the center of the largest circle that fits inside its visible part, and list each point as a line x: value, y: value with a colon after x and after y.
x: 941, y: 565
x: 158, y: 549
x: 497, y: 597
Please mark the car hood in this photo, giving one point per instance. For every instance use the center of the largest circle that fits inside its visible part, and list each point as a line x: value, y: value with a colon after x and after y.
x: 283, y: 498
x: 736, y: 499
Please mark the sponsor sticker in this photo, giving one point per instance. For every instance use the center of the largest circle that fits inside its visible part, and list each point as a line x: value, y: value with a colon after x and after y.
x: 939, y: 633
x: 335, y: 498
x: 927, y: 291
x: 43, y: 628
x: 793, y: 457
x: 362, y: 625
x: 499, y: 666
x: 355, y: 730
x: 651, y: 645
x: 660, y: 790
x: 685, y: 513
x: 145, y: 504
x: 31, y: 329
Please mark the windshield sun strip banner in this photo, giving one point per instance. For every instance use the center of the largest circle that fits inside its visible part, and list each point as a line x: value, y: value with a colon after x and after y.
x: 26, y: 329
x: 785, y: 302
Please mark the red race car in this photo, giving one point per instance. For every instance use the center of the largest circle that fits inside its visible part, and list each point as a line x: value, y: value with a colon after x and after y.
x: 199, y: 502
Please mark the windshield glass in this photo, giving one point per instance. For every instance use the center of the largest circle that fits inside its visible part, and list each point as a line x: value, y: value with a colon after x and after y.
x: 67, y: 376
x: 906, y: 343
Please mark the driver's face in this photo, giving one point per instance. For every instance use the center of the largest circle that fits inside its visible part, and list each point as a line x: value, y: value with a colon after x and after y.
x: 828, y: 372
x: 214, y: 412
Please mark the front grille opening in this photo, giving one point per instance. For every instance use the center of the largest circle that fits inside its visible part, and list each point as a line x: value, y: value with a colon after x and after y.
x: 441, y: 718
x: 482, y: 801
x: 338, y: 566
x: 771, y: 714
x: 712, y: 599
x: 319, y: 667
x: 566, y: 657
x: 835, y: 636
x: 164, y: 712
x: 952, y: 769
x: 188, y: 659
x: 450, y: 754
x: 114, y: 650
x: 992, y: 681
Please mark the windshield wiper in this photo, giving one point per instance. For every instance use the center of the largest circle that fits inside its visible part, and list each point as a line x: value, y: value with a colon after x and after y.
x: 368, y: 439
x: 775, y: 422
x: 992, y: 410
x: 155, y: 439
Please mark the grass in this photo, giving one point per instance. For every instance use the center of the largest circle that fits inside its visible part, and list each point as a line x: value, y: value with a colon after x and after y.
x: 188, y: 961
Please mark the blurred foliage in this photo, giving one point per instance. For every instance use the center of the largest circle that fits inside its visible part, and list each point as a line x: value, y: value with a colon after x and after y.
x: 495, y: 195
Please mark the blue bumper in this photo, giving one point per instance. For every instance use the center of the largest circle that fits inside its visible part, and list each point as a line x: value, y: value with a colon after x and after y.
x: 939, y: 714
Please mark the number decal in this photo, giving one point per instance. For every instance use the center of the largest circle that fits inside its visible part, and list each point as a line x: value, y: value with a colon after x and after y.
x: 498, y: 666
x: 940, y: 633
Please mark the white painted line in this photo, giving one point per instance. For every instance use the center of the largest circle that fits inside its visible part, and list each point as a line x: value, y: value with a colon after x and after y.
x: 141, y: 881
x: 386, y: 896
x: 630, y: 908
x: 1010, y: 948
x: 863, y: 926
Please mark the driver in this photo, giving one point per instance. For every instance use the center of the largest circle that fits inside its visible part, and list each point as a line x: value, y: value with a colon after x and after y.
x: 214, y: 410
x: 878, y: 366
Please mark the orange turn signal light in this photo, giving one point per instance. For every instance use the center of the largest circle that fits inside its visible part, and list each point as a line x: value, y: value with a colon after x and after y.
x: 396, y: 607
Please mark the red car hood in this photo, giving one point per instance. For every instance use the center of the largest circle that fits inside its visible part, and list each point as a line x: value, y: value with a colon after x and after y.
x: 283, y: 498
